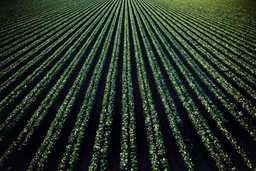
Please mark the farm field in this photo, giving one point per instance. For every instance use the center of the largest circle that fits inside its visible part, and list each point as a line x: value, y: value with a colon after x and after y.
x: 128, y: 85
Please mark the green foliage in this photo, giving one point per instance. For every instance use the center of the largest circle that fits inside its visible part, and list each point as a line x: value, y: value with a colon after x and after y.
x: 190, y: 76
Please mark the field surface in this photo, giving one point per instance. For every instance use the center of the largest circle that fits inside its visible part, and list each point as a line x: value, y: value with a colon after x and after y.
x: 128, y: 85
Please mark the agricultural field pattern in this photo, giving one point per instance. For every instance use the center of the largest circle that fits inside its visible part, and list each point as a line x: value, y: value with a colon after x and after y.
x: 109, y: 85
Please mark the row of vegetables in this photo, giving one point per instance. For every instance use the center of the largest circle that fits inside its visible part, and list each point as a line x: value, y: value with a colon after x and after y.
x: 78, y: 55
